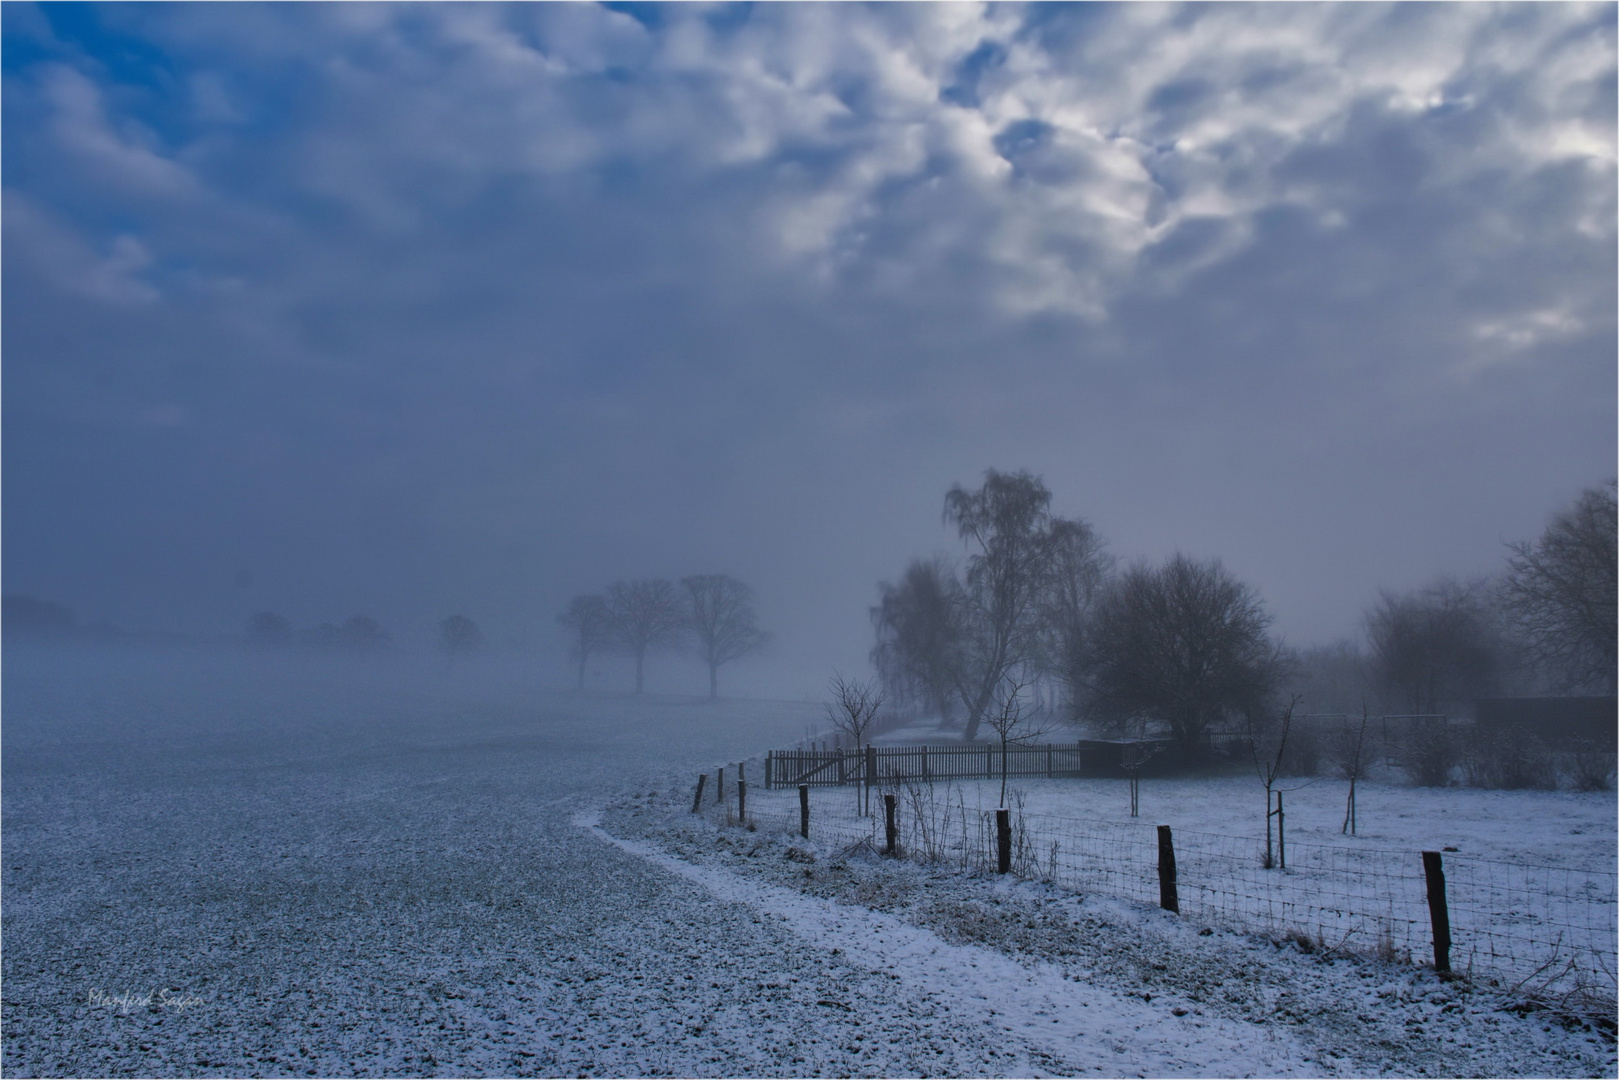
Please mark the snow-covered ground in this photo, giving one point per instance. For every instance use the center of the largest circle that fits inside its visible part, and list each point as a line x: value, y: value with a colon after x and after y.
x: 220, y: 865
x: 1516, y: 917
x: 1092, y: 985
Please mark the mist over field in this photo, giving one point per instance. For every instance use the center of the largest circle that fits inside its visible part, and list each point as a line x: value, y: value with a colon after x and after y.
x: 440, y: 441
x: 410, y: 312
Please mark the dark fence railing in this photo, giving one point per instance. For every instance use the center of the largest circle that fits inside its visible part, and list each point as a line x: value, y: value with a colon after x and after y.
x: 884, y: 764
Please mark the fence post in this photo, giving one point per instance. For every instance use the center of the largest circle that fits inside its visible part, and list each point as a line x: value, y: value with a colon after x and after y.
x: 1048, y: 763
x: 803, y: 810
x: 1003, y: 841
x: 1281, y: 830
x: 925, y: 773
x: 1433, y: 869
x: 770, y: 757
x: 1168, y: 897
x: 871, y: 770
x: 719, y: 787
x: 742, y: 801
x: 697, y: 800
x: 890, y: 813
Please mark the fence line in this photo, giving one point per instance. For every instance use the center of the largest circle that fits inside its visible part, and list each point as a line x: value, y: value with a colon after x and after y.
x: 1546, y: 932
x: 836, y: 767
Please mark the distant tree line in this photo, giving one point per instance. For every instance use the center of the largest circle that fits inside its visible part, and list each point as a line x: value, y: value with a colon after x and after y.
x: 711, y: 615
x: 455, y: 635
x: 1183, y: 647
x: 358, y: 633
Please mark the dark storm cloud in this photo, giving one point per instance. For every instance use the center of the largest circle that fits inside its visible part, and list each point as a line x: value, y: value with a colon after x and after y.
x: 428, y: 308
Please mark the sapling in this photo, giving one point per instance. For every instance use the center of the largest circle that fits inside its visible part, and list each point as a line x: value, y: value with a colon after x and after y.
x: 853, y: 711
x: 1270, y: 766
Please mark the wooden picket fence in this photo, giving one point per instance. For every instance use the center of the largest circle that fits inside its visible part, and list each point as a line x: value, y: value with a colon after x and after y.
x: 834, y: 767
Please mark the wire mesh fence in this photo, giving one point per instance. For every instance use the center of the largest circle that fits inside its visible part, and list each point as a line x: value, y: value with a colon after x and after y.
x: 1550, y: 933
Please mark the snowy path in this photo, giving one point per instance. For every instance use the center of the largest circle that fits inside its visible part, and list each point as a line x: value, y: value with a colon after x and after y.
x: 1065, y: 1026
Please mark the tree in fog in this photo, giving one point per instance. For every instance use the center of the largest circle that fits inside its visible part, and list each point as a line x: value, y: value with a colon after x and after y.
x: 1006, y: 525
x: 853, y: 713
x: 1013, y: 722
x: 720, y: 615
x: 1184, y: 643
x: 591, y: 629
x: 1332, y: 679
x: 459, y: 634
x: 643, y: 614
x: 917, y: 654
x: 362, y: 634
x: 1435, y: 648
x: 1561, y: 596
x: 1076, y: 570
x: 269, y: 628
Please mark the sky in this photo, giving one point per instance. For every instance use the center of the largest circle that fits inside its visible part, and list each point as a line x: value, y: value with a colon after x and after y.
x: 420, y: 309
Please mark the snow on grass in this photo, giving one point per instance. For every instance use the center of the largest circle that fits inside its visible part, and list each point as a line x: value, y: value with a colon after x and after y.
x: 1549, y: 931
x: 1142, y: 970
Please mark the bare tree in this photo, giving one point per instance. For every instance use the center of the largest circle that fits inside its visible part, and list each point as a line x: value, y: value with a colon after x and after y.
x: 591, y: 623
x: 1267, y: 741
x: 1561, y: 594
x: 1184, y: 644
x: 1134, y: 755
x: 1013, y: 722
x: 643, y: 614
x: 852, y: 712
x: 1076, y: 570
x: 1350, y: 756
x: 719, y: 613
x: 919, y: 636
x: 1435, y: 648
x: 269, y: 628
x: 1007, y: 522
x: 458, y: 634
x: 361, y: 633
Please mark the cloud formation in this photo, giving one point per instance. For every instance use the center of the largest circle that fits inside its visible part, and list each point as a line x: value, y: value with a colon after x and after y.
x: 544, y: 293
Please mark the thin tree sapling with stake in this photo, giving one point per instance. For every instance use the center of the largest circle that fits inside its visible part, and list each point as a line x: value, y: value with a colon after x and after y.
x: 852, y: 712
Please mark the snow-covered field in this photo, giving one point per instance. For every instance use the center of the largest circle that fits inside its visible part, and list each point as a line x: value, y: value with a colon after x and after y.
x: 1515, y: 919
x: 231, y: 866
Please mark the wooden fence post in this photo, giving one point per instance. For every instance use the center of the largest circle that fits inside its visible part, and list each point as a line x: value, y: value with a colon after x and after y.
x: 1003, y: 841
x: 719, y: 787
x: 1281, y: 830
x: 890, y: 813
x: 1433, y: 869
x: 871, y: 768
x: 803, y: 810
x: 697, y: 800
x: 1168, y: 897
x: 742, y: 801
x: 770, y: 757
